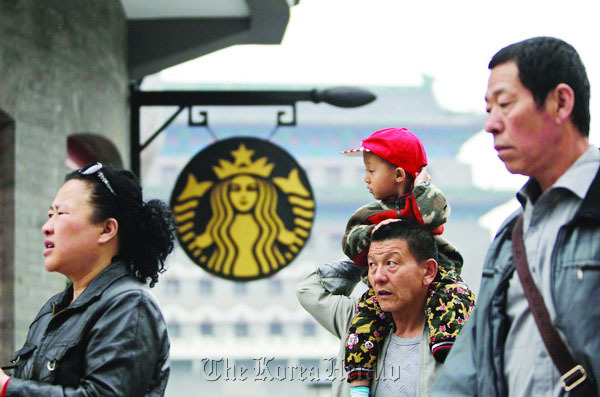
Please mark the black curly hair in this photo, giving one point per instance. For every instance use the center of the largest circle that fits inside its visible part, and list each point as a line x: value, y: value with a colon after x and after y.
x: 146, y: 232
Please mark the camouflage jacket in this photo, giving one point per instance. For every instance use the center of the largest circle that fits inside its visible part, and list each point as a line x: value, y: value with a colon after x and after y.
x: 426, y: 204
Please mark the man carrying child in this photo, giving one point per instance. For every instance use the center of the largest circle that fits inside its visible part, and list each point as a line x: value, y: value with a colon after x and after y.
x: 395, y: 159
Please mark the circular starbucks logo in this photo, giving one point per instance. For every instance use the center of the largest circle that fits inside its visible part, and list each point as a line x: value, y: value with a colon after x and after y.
x: 243, y: 208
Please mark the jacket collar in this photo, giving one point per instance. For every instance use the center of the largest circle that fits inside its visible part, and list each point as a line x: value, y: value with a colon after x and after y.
x: 97, y: 286
x: 589, y: 207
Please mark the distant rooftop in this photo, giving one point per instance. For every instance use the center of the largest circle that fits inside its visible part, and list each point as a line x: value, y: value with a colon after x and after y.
x: 324, y: 130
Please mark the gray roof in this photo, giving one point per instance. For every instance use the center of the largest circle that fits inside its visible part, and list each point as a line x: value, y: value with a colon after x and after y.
x: 164, y: 33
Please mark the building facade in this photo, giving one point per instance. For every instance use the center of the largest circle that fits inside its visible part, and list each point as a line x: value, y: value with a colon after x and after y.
x: 65, y: 70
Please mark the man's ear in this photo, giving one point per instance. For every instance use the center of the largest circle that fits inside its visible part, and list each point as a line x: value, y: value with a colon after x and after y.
x: 563, y: 101
x: 400, y: 174
x: 431, y: 269
x: 109, y: 230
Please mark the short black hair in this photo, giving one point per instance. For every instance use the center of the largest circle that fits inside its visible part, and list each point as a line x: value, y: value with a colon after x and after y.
x: 545, y: 62
x: 146, y: 229
x: 420, y: 240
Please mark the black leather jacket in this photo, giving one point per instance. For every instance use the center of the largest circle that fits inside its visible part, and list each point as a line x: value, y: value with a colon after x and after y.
x: 112, y: 341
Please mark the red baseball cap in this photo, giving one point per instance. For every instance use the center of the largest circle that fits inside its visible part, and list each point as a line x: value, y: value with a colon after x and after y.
x: 398, y: 146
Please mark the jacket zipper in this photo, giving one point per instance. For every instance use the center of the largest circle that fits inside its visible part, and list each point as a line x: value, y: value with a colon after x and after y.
x: 54, y: 312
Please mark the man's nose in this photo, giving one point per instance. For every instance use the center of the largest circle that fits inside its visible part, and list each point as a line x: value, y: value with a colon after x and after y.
x: 379, y: 275
x: 493, y: 123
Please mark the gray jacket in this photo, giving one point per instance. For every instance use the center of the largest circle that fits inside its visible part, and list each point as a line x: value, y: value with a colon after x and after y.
x: 335, y: 311
x: 474, y: 367
x: 112, y: 341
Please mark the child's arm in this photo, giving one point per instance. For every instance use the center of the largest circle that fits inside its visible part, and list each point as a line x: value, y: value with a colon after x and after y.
x: 357, y: 236
x: 432, y: 208
x: 427, y: 205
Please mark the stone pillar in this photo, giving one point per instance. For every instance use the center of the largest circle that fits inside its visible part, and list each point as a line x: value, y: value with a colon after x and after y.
x: 63, y: 71
x: 7, y: 240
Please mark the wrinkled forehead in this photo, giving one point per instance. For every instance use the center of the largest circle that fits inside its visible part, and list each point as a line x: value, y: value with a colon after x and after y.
x: 395, y: 247
x: 503, y: 78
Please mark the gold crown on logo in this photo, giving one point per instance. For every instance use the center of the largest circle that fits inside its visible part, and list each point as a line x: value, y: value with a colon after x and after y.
x: 243, y: 164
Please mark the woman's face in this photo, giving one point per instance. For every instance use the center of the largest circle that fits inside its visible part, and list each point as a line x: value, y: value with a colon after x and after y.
x: 243, y: 192
x: 71, y: 243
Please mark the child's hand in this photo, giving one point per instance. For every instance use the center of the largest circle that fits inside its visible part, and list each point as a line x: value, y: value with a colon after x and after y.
x: 422, y: 177
x: 384, y: 222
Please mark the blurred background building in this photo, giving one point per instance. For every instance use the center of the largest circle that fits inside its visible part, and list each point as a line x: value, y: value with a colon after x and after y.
x: 65, y: 70
x: 66, y: 66
x: 216, y: 324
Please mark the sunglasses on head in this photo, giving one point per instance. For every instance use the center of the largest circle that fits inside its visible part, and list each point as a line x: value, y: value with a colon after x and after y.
x: 95, y: 168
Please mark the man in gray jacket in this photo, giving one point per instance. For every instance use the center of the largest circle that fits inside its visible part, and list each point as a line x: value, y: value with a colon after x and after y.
x: 402, y: 265
x: 538, y: 113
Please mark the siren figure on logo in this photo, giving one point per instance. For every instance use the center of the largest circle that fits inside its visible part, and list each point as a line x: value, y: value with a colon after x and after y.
x: 245, y: 237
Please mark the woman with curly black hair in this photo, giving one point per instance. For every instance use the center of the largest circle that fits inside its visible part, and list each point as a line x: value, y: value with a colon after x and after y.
x: 103, y: 335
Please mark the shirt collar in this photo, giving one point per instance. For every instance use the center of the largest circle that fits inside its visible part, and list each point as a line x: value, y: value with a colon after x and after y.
x: 576, y: 179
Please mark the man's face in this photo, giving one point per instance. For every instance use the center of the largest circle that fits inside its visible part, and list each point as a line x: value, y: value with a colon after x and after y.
x: 524, y: 135
x: 400, y: 282
x: 380, y: 177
